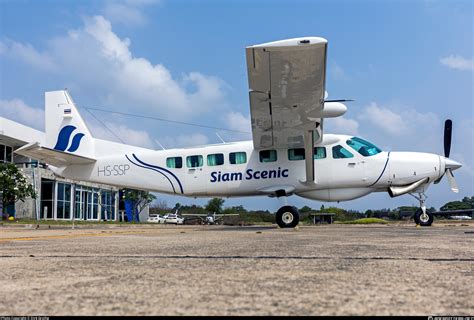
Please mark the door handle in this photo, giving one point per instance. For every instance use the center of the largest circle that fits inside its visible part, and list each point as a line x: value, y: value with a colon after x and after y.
x: 352, y: 163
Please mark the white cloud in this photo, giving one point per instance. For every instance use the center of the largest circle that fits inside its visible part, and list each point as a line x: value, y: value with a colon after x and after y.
x: 184, y: 140
x: 100, y: 63
x: 129, y: 12
x: 341, y: 125
x: 27, y: 53
x: 19, y: 111
x: 337, y: 72
x: 384, y: 119
x: 126, y: 134
x: 458, y: 62
x: 399, y: 121
x: 237, y: 121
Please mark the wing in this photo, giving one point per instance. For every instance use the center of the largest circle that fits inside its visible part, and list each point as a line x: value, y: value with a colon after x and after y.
x: 286, y: 80
x: 53, y: 157
x: 287, y: 89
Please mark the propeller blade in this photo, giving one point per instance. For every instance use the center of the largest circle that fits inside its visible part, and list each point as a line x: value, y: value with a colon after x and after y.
x: 339, y: 100
x: 452, y: 181
x: 439, y: 179
x: 448, y: 130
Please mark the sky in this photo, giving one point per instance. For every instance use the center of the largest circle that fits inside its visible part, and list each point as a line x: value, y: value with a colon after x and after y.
x: 409, y: 65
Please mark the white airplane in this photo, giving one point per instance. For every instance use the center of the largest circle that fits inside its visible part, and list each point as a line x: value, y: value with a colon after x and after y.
x: 289, y: 154
x: 210, y: 218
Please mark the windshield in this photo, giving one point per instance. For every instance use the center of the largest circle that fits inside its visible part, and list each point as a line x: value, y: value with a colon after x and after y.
x: 363, y: 147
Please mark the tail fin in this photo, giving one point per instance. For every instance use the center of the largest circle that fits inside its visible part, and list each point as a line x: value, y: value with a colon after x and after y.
x: 65, y: 129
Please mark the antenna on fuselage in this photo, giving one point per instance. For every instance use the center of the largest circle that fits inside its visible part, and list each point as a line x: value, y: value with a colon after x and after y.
x: 220, y: 138
x: 158, y: 143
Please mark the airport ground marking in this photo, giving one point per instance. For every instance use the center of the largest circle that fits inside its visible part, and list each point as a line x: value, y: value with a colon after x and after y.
x: 69, y: 236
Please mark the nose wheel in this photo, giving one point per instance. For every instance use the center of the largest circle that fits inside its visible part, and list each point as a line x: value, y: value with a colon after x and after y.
x: 287, y: 217
x: 423, y: 216
x: 424, y: 219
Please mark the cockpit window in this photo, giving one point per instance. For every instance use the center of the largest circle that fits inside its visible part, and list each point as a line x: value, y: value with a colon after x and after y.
x: 365, y: 148
x: 339, y: 152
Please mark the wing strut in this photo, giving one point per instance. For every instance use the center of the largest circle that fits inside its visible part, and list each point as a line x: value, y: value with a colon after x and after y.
x: 309, y: 156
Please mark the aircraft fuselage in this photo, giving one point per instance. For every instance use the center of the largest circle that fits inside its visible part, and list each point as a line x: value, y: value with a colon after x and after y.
x: 336, y: 179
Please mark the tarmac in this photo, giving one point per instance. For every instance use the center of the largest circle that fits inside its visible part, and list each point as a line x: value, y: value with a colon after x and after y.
x: 394, y: 269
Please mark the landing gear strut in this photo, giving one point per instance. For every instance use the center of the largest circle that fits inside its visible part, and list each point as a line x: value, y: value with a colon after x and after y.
x: 423, y: 217
x: 287, y: 217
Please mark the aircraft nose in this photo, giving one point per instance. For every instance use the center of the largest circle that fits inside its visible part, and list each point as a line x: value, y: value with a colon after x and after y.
x: 451, y: 164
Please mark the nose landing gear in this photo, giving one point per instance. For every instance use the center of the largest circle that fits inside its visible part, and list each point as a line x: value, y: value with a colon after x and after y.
x: 423, y: 216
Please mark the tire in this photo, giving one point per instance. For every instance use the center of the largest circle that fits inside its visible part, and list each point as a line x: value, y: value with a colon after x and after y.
x: 423, y: 220
x: 416, y: 216
x: 287, y: 217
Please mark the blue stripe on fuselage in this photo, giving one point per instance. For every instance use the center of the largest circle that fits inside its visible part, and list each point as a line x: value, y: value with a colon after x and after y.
x: 172, y: 186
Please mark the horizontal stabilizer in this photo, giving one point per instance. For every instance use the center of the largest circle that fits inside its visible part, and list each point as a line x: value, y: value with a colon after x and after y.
x: 50, y: 156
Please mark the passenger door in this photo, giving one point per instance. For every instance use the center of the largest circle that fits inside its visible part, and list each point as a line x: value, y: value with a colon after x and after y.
x: 347, y: 169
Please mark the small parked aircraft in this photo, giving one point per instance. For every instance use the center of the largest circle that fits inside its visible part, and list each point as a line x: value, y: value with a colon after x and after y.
x: 210, y: 218
x: 289, y: 154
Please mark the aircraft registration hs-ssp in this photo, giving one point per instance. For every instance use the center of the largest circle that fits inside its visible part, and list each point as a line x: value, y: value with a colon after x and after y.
x: 289, y: 154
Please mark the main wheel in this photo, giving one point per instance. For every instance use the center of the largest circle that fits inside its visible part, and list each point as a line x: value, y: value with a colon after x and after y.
x: 423, y: 219
x: 287, y: 217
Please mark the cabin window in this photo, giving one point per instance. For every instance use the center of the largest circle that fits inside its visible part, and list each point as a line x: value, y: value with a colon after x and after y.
x: 216, y: 159
x: 268, y: 156
x: 237, y: 157
x: 319, y: 153
x: 194, y: 161
x: 174, y: 162
x: 339, y: 152
x: 296, y: 154
x: 363, y: 147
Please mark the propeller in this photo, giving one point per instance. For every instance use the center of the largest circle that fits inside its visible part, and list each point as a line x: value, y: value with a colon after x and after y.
x: 449, y: 164
x: 339, y: 100
x: 334, y: 100
x: 448, y: 132
x: 452, y: 181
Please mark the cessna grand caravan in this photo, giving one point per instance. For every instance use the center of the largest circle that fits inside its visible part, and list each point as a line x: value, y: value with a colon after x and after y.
x: 289, y: 155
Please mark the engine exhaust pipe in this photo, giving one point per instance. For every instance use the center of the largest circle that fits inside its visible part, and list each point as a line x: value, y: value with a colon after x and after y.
x: 396, y: 191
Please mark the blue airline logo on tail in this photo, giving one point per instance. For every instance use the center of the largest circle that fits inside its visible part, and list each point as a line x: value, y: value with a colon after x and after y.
x: 64, y: 137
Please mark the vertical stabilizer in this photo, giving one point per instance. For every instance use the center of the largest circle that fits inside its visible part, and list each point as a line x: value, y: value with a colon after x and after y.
x: 65, y: 129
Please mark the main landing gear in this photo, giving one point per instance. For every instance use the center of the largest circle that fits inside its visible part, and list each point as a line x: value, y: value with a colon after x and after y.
x: 423, y: 216
x: 287, y: 217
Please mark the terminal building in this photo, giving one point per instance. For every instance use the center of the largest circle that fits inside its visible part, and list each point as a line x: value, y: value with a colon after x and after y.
x: 57, y: 198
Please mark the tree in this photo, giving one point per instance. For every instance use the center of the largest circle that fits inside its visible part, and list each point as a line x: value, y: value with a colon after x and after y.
x: 140, y: 200
x: 14, y: 186
x: 455, y: 205
x: 215, y: 205
x: 469, y: 201
x: 305, y: 209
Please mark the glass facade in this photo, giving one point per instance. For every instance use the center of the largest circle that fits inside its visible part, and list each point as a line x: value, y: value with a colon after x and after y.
x: 61, y: 200
x: 47, y: 199
x: 64, y: 201
x: 6, y: 153
x: 108, y: 205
